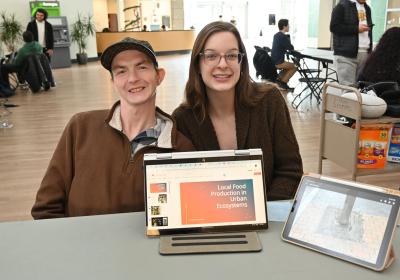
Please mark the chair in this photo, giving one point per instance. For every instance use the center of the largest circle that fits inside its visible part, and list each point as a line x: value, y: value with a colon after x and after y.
x: 263, y: 64
x: 310, y: 77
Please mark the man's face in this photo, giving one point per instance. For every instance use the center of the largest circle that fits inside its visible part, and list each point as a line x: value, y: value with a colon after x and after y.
x: 286, y: 28
x: 135, y: 78
x: 39, y: 16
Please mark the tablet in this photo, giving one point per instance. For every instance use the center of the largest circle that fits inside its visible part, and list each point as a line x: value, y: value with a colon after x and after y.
x: 203, y: 192
x: 344, y: 219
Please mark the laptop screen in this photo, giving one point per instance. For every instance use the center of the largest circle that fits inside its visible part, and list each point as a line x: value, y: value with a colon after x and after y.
x: 205, y: 191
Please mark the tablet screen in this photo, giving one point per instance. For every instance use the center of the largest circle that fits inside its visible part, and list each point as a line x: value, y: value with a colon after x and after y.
x: 341, y: 220
x: 205, y: 194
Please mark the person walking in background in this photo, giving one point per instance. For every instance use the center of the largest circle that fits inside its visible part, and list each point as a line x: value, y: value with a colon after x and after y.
x: 280, y: 45
x: 351, y: 26
x: 42, y: 32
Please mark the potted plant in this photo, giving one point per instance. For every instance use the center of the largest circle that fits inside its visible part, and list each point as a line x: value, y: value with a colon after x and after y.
x: 81, y: 29
x: 10, y: 31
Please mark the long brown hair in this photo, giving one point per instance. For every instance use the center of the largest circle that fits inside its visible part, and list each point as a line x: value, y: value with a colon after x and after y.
x: 247, y: 91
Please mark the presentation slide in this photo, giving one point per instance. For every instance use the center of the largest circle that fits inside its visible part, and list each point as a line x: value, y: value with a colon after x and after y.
x: 217, y: 201
x: 202, y: 194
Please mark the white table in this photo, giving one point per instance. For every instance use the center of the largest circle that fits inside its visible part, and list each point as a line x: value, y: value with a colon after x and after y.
x: 115, y: 247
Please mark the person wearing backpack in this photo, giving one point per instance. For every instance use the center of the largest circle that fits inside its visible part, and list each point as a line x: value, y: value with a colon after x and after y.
x: 30, y: 47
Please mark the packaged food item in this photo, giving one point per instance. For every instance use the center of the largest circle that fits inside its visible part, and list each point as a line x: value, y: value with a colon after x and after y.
x: 393, y: 154
x: 373, y: 145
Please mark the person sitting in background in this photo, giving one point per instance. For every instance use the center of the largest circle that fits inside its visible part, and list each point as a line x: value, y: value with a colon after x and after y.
x: 280, y: 45
x: 163, y: 27
x: 97, y: 167
x: 144, y: 28
x: 225, y: 109
x: 383, y: 64
x: 29, y: 48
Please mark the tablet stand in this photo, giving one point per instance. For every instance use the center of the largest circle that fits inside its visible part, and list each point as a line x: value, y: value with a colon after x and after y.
x: 210, y: 243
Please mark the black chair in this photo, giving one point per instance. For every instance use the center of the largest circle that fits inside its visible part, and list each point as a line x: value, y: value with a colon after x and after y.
x: 263, y: 64
x: 313, y: 82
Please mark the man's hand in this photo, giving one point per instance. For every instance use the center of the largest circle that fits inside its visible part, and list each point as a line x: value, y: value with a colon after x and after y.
x: 362, y: 28
x: 50, y: 52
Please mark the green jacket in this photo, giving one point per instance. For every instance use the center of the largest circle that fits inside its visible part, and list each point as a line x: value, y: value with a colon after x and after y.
x: 27, y: 50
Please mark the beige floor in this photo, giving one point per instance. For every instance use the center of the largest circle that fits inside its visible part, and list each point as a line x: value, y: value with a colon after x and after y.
x: 40, y: 118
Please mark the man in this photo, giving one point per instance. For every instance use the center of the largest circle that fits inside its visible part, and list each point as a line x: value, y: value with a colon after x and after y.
x: 280, y: 45
x: 351, y: 25
x: 42, y: 31
x: 97, y: 167
x: 30, y: 47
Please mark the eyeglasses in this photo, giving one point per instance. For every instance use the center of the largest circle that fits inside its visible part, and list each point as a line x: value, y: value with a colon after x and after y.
x: 213, y: 58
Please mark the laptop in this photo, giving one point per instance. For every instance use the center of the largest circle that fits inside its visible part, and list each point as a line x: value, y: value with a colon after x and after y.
x: 205, y: 192
x: 348, y: 220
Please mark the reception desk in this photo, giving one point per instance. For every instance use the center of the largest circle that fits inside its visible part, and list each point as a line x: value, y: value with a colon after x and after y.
x: 161, y: 41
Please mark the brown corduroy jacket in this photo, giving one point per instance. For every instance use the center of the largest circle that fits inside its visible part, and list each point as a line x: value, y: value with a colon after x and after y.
x: 267, y: 126
x: 92, y: 170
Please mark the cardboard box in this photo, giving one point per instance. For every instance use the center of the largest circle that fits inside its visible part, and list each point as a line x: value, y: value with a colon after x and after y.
x: 373, y: 145
x: 393, y: 154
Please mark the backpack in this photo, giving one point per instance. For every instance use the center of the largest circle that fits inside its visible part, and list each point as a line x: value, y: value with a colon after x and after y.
x: 264, y: 65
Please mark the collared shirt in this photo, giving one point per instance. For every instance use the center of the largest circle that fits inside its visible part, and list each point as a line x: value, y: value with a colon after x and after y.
x: 148, y: 137
x: 40, y: 27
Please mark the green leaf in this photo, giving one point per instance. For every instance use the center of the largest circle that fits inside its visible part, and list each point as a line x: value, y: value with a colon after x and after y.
x: 81, y: 29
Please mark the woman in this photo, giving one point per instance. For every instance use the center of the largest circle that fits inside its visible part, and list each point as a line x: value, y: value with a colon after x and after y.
x: 225, y: 109
x: 383, y: 64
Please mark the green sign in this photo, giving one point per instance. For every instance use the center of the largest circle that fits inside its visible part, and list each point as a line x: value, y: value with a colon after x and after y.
x: 52, y: 7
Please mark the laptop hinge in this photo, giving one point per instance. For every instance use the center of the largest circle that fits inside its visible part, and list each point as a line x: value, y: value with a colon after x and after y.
x: 242, y: 152
x: 164, y: 156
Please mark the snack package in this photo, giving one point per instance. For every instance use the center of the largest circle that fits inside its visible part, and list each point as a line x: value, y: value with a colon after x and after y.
x: 373, y: 145
x: 393, y: 154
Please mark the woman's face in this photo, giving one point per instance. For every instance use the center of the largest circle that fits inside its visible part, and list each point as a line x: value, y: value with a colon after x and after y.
x: 220, y: 63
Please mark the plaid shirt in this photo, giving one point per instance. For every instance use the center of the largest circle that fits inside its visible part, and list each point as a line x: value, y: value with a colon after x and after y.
x: 148, y: 137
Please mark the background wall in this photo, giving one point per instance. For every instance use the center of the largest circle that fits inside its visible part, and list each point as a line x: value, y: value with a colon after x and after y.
x: 69, y: 8
x: 100, y: 14
x: 324, y: 34
x: 378, y: 9
x: 112, y: 6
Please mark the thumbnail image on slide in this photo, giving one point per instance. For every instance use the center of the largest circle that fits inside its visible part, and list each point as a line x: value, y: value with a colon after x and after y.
x: 217, y: 202
x: 158, y: 187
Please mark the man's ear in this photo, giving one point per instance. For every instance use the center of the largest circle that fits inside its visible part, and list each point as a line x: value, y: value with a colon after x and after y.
x: 161, y: 75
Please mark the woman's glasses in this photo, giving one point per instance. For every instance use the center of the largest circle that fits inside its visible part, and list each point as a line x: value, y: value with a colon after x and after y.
x: 214, y: 58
